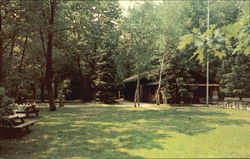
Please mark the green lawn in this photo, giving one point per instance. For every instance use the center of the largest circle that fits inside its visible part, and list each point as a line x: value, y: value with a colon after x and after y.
x: 121, y: 131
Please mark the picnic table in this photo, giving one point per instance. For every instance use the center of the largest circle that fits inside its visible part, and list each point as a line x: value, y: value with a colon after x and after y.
x: 16, y: 121
x: 27, y: 109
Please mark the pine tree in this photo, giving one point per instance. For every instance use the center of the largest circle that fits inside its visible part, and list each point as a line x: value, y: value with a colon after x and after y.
x: 106, y: 49
x: 177, y: 77
x: 105, y: 82
x: 234, y: 75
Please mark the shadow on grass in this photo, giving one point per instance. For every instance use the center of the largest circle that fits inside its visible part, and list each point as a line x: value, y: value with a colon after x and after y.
x: 13, y: 133
x: 104, y: 132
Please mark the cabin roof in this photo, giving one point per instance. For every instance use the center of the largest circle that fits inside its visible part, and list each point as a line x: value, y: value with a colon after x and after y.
x: 134, y: 78
x: 130, y: 79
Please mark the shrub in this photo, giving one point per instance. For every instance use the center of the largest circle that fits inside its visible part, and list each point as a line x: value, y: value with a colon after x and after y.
x: 5, y: 101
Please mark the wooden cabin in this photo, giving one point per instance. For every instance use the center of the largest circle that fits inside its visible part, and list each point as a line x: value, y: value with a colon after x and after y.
x: 148, y: 90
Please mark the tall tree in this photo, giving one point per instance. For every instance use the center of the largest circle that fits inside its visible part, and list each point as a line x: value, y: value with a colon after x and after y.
x: 1, y: 55
x: 1, y: 48
x: 107, y: 48
x: 234, y: 76
x: 49, y: 73
x: 139, y: 30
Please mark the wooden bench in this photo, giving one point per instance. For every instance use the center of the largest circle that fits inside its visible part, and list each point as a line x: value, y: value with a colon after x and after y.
x: 25, y: 125
x: 10, y: 122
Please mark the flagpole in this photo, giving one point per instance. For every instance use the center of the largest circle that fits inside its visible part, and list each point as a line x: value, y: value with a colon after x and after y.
x: 207, y: 85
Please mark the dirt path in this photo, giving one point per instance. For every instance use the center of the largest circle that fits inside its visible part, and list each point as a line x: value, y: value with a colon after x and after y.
x: 149, y: 106
x: 143, y: 105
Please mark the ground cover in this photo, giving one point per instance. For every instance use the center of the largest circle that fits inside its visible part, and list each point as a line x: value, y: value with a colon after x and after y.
x: 122, y: 131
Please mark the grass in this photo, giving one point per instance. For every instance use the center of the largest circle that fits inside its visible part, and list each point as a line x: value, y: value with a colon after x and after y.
x: 122, y: 131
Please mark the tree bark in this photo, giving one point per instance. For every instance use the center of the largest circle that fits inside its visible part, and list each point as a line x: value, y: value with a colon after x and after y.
x: 1, y: 51
x: 157, y: 95
x: 137, y: 92
x: 1, y: 55
x: 49, y: 58
x: 42, y: 41
x: 13, y: 39
x: 42, y: 88
x: 21, y: 64
x: 22, y: 57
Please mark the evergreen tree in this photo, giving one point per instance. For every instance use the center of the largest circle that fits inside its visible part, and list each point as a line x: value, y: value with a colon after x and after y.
x: 177, y: 77
x: 235, y: 77
x: 105, y: 82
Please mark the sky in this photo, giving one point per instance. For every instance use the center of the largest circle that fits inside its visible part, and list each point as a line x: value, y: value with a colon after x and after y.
x: 125, y: 3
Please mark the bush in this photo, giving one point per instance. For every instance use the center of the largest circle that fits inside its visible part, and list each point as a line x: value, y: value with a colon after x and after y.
x: 5, y: 101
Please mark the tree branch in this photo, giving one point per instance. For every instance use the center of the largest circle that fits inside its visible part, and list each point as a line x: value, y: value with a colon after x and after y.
x: 42, y: 40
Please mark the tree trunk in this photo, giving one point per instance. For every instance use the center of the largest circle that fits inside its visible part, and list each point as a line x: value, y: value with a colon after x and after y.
x: 21, y: 64
x: 137, y: 92
x: 49, y: 59
x: 34, y: 92
x: 1, y: 55
x: 1, y: 51
x: 11, y: 51
x: 61, y: 103
x: 22, y: 57
x: 157, y: 95
x: 42, y: 88
x: 56, y: 90
x: 164, y: 98
x: 82, y: 80
x: 177, y: 95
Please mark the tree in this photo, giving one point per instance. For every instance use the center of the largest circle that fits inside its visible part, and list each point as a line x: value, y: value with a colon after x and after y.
x: 1, y: 55
x: 234, y: 75
x: 170, y: 29
x: 49, y: 57
x: 220, y: 38
x: 225, y: 39
x: 107, y: 48
x: 139, y: 30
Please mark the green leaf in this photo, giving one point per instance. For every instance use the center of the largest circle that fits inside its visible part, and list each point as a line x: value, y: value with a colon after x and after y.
x: 220, y: 54
x: 185, y: 40
x: 233, y: 29
x: 247, y: 51
x: 199, y: 55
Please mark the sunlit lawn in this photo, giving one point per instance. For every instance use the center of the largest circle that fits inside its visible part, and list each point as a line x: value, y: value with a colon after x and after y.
x: 120, y: 131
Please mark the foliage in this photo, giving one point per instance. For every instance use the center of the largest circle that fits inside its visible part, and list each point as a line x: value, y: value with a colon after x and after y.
x: 235, y: 76
x: 176, y: 80
x: 63, y: 87
x: 219, y: 42
x: 5, y: 108
x: 133, y: 42
x: 105, y: 82
x: 139, y: 29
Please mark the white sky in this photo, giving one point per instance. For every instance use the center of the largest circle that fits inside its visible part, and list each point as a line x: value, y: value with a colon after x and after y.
x: 125, y: 4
